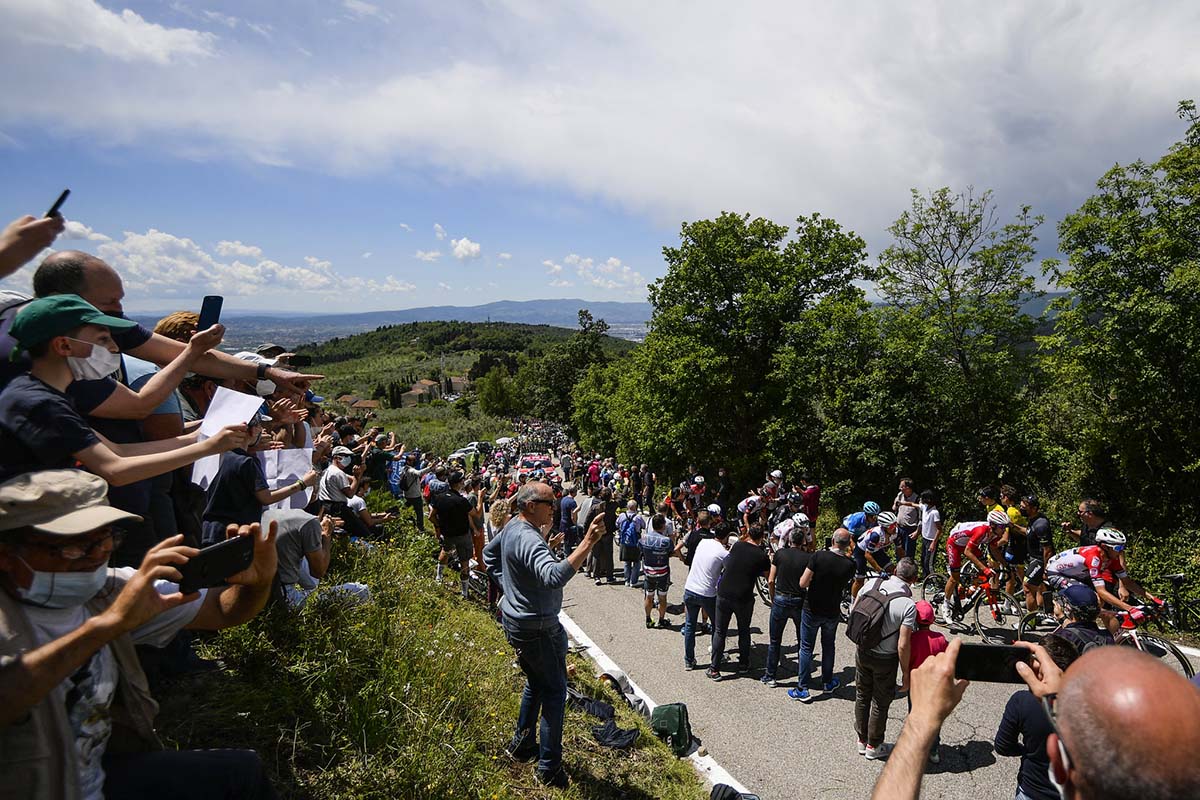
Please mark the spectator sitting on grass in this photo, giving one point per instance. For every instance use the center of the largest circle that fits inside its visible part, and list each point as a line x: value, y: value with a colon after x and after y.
x: 339, y: 483
x: 306, y: 541
x: 68, y: 670
x: 357, y: 505
x: 40, y: 427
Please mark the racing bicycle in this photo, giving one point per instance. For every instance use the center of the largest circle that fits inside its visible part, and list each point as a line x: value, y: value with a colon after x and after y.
x: 996, y: 613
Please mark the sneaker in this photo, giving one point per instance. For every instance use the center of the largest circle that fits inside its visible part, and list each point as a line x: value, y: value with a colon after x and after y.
x: 878, y: 753
x: 832, y: 686
x: 802, y: 695
x: 526, y: 751
x: 768, y: 681
x: 743, y: 666
x: 599, y: 581
x: 862, y: 748
x: 558, y: 779
x: 705, y: 629
x: 662, y: 623
x: 689, y: 665
x: 649, y: 622
x: 714, y: 674
x: 935, y: 757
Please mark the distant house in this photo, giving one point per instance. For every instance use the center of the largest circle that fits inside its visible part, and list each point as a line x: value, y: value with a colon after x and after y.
x: 349, y: 399
x: 413, y: 398
x: 457, y: 384
x: 366, y: 405
x: 432, y: 389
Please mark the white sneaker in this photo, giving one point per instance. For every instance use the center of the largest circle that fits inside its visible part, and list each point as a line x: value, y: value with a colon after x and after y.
x: 862, y: 748
x: 878, y: 753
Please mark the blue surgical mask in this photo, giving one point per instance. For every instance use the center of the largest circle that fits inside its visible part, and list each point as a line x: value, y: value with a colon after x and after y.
x: 63, y: 589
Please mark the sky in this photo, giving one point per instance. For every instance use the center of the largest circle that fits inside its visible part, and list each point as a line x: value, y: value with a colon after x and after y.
x: 343, y: 155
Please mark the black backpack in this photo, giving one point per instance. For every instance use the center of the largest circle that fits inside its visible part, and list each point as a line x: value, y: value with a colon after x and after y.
x: 865, y: 626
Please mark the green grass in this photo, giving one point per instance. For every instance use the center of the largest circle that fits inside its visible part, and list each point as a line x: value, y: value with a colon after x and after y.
x: 413, y: 695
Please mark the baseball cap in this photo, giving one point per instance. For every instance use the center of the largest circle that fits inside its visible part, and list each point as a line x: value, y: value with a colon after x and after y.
x: 342, y: 451
x: 270, y: 350
x: 924, y: 612
x: 43, y: 319
x: 312, y: 398
x: 66, y: 502
x: 1079, y: 596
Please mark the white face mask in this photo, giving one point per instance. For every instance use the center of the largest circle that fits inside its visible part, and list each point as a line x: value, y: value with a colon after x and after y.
x: 63, y: 589
x: 99, y: 364
x: 346, y: 461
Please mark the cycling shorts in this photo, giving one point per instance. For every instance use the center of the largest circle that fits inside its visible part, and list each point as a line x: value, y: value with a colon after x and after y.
x: 860, y: 561
x: 954, y: 555
x: 656, y: 585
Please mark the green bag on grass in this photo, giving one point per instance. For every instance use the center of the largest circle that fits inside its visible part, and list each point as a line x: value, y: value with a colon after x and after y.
x: 670, y: 723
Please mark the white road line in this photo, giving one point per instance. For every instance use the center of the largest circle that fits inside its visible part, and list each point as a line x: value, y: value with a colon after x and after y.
x: 1191, y: 651
x: 707, y: 766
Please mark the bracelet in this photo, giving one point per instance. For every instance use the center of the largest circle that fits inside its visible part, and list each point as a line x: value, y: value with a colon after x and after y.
x: 300, y: 487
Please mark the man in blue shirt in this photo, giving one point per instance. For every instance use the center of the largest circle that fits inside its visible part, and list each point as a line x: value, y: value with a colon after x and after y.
x: 532, y: 580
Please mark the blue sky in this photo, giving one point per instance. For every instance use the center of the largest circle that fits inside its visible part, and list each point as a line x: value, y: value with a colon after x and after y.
x: 262, y: 150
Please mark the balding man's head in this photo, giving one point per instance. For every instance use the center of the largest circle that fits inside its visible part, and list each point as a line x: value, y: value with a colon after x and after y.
x: 76, y: 272
x: 1131, y: 727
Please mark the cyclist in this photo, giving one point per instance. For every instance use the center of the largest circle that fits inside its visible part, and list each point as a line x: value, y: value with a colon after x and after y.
x: 870, y: 551
x: 1015, y: 543
x: 1103, y: 566
x: 858, y: 522
x: 782, y: 533
x: 748, y: 511
x: 1040, y: 542
x: 793, y: 506
x: 966, y: 539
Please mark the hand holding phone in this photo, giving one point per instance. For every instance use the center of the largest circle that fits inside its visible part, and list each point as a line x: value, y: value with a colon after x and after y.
x: 210, y: 312
x: 62, y: 198
x: 213, y: 564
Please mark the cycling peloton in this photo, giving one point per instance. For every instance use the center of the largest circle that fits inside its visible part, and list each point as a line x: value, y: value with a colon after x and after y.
x: 966, y: 539
x: 1102, y: 566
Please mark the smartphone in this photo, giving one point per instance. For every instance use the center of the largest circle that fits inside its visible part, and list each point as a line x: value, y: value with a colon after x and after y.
x: 210, y: 312
x: 212, y: 565
x: 62, y: 198
x: 990, y: 663
x: 300, y: 361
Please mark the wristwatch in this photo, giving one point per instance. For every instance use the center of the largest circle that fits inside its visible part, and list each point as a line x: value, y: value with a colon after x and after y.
x: 261, y: 371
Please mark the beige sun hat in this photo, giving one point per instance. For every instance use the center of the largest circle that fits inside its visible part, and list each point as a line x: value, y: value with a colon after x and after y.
x: 66, y: 502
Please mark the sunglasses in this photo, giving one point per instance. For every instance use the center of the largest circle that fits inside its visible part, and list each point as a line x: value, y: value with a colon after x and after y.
x: 102, y: 545
x: 1049, y: 705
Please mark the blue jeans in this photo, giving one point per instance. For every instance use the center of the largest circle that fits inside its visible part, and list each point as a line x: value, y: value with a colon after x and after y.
x: 782, y: 610
x: 633, y: 572
x: 906, y: 546
x: 542, y: 655
x: 928, y: 556
x: 692, y: 604
x: 810, y: 623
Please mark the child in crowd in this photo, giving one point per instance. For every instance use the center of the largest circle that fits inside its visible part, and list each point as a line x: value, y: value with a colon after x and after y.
x: 924, y: 643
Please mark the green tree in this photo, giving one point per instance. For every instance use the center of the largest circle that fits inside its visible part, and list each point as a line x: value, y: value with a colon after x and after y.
x: 495, y: 393
x: 1123, y: 355
x: 546, y: 382
x: 593, y: 404
x: 702, y: 382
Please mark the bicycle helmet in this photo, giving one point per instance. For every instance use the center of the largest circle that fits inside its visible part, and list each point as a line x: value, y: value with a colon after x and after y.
x: 699, y: 480
x: 886, y: 519
x: 871, y: 507
x: 997, y: 517
x: 1111, y: 537
x: 794, y: 498
x: 714, y: 509
x: 776, y: 475
x: 801, y: 520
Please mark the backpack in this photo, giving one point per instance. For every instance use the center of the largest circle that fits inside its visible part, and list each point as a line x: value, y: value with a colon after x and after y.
x: 670, y: 723
x: 865, y: 626
x: 629, y: 534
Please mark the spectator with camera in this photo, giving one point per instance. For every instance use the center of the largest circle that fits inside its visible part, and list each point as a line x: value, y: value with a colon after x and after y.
x: 75, y: 708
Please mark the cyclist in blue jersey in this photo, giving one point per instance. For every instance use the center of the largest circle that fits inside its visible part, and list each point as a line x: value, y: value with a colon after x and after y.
x: 858, y: 522
x: 870, y: 551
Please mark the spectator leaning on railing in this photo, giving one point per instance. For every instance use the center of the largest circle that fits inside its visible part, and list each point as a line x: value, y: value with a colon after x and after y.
x: 76, y: 715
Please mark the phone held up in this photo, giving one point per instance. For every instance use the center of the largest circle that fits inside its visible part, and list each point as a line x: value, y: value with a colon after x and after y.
x: 990, y: 663
x: 62, y: 198
x: 212, y: 565
x: 210, y: 312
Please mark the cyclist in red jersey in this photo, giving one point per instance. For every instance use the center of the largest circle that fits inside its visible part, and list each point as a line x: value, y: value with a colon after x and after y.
x: 1101, y: 565
x: 967, y: 539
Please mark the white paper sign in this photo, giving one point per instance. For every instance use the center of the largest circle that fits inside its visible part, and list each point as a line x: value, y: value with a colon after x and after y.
x: 228, y: 408
x: 284, y: 467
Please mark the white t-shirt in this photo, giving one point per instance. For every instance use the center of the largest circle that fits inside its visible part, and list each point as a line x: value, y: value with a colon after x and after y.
x: 88, y: 693
x: 356, y: 504
x: 332, y: 487
x: 706, y: 568
x: 930, y: 517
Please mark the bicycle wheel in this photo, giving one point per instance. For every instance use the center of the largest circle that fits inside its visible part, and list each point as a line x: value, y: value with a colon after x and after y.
x: 1164, y: 651
x: 1035, y: 625
x: 933, y: 588
x: 847, y: 601
x: 996, y: 623
x: 763, y: 591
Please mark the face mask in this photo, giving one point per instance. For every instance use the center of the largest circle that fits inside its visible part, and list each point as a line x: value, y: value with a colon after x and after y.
x: 100, y: 364
x: 63, y: 589
x: 346, y: 461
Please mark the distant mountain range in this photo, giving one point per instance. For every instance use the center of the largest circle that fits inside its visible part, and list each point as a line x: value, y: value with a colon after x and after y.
x: 625, y: 320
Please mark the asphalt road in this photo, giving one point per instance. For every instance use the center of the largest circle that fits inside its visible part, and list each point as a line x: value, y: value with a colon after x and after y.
x: 776, y: 746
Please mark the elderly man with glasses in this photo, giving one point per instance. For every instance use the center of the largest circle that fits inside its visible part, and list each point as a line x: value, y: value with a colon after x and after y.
x: 76, y: 715
x: 523, y: 562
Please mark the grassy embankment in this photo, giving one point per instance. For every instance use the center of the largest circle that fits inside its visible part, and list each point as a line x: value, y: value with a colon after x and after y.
x: 411, y: 696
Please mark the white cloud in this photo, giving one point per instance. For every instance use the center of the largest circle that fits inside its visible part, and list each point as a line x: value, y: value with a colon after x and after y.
x: 439, y: 231
x: 447, y: 287
x: 552, y: 268
x: 560, y: 283
x: 230, y: 249
x: 367, y: 254
x: 406, y: 227
x: 77, y: 230
x: 465, y: 249
x: 86, y: 25
x: 427, y: 255
x: 505, y: 256
x: 360, y: 10
x: 610, y: 274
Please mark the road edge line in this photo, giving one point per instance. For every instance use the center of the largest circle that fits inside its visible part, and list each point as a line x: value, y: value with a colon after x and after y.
x: 1191, y: 651
x: 706, y: 766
